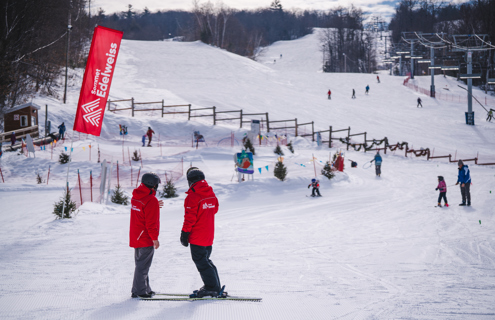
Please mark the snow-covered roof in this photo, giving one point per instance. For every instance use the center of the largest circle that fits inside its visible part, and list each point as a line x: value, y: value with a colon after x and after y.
x: 22, y: 106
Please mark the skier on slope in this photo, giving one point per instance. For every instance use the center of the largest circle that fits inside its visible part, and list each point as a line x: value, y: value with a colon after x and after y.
x: 150, y: 133
x: 198, y: 229
x: 329, y: 94
x: 144, y: 232
x: 61, y: 131
x: 464, y: 178
x: 353, y: 94
x: 378, y: 163
x: 419, y: 103
x: 367, y: 89
x: 490, y: 115
x: 316, y: 187
x: 378, y: 79
x: 443, y: 191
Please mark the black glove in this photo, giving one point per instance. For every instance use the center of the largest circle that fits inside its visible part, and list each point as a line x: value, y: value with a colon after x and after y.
x: 436, y: 189
x: 184, y: 238
x: 309, y: 186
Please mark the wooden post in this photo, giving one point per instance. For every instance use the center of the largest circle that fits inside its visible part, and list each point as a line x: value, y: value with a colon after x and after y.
x: 46, y: 120
x: 241, y: 118
x: 214, y: 116
x: 91, y: 184
x: 407, y: 148
x: 162, y: 106
x: 348, y: 137
x: 365, y: 142
x: 313, y: 130
x: 330, y: 137
x: 295, y: 121
x: 108, y: 103
x: 189, y: 113
x: 80, y: 191
x: 267, y: 123
x: 132, y: 106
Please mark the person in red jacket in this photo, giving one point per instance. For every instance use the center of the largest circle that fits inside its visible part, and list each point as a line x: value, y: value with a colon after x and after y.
x: 329, y: 94
x: 144, y: 231
x: 198, y: 229
x: 150, y: 133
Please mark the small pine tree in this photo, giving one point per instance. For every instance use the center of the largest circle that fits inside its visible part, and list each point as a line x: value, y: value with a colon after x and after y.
x: 63, y: 158
x: 249, y: 146
x: 278, y: 151
x: 119, y: 197
x: 39, y: 178
x: 169, y: 190
x: 70, y: 206
x: 280, y: 171
x: 135, y: 156
x: 327, y: 171
x: 290, y: 147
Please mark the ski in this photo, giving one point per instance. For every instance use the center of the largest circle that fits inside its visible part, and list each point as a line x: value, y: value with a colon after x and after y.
x: 184, y: 297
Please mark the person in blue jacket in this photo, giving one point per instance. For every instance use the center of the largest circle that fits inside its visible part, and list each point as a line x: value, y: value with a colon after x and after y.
x: 378, y: 163
x: 464, y: 178
x: 61, y: 131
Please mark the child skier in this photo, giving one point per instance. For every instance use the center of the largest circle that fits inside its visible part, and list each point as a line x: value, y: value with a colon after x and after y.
x: 316, y: 187
x: 442, y: 187
x: 367, y: 89
x: 144, y: 139
x: 378, y: 163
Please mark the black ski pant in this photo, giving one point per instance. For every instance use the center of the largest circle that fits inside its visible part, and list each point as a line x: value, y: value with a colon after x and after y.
x: 317, y: 191
x: 419, y: 104
x: 378, y: 169
x: 444, y: 196
x: 329, y: 97
x: 149, y: 139
x: 466, y: 193
x: 143, y: 258
x: 206, y: 268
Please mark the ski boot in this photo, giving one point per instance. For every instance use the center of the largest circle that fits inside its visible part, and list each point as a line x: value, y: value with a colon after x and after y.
x: 462, y: 204
x: 439, y: 205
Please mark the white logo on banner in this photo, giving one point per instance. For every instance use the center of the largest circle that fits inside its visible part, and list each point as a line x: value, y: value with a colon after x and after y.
x: 92, y: 116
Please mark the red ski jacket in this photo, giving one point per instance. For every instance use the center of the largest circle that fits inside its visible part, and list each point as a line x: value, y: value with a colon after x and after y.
x: 150, y: 132
x: 200, y: 207
x: 145, y: 217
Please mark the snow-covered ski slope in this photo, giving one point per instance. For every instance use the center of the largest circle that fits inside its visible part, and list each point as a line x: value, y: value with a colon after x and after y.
x: 370, y: 248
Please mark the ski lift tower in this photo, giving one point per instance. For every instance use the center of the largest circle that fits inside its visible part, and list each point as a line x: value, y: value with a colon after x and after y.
x: 411, y: 37
x: 431, y: 40
x: 469, y: 43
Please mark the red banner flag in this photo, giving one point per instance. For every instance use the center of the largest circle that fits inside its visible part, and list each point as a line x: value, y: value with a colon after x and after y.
x: 97, y: 80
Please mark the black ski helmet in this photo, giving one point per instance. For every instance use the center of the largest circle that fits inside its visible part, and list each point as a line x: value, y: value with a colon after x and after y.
x: 151, y: 180
x: 440, y: 178
x: 194, y: 175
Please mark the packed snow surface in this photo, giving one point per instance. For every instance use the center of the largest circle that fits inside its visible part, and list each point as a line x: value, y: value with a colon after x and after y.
x: 370, y: 248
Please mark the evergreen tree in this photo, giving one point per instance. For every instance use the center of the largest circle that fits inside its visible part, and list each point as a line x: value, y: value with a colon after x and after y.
x: 169, y: 190
x: 70, y: 206
x: 249, y: 146
x: 327, y: 171
x: 63, y: 158
x: 135, y: 156
x: 278, y: 151
x: 290, y: 147
x: 119, y: 197
x: 280, y: 171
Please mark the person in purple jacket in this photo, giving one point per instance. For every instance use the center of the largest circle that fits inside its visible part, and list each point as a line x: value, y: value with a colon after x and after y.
x: 442, y: 187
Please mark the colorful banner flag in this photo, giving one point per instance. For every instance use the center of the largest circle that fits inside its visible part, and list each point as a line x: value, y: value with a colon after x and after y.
x: 97, y: 79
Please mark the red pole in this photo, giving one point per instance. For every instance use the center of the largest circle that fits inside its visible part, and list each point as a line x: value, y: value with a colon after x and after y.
x: 90, y: 155
x: 117, y: 174
x: 48, y: 177
x: 314, y: 164
x: 141, y: 157
x: 91, y: 184
x: 137, y: 180
x: 2, y: 175
x: 80, y: 191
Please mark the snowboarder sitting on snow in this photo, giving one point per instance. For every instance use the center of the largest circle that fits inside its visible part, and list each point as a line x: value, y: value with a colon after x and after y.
x: 378, y: 163
x: 316, y: 187
x: 198, y: 229
x: 443, y: 191
x: 144, y: 231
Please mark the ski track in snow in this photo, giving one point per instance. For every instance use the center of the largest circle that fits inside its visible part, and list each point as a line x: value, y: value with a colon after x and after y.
x: 370, y: 248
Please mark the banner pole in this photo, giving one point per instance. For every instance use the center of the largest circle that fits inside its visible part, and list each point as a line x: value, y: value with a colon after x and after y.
x: 68, y: 167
